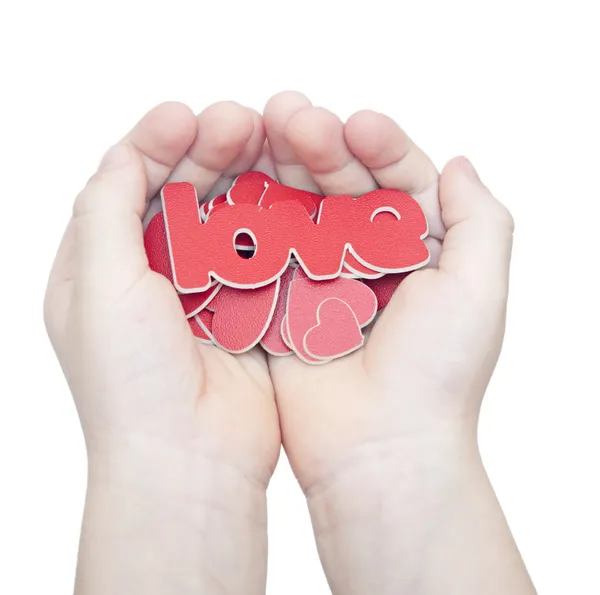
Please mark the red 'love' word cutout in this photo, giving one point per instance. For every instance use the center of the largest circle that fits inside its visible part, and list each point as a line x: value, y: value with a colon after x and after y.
x: 157, y: 250
x: 202, y: 251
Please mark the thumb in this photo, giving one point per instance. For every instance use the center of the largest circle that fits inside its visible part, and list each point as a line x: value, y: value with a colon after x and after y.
x: 107, y: 221
x: 478, y: 244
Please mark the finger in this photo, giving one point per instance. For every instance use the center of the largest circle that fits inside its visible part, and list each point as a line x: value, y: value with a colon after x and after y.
x: 316, y: 137
x: 108, y: 242
x: 224, y: 131
x: 162, y: 138
x: 395, y: 161
x: 277, y: 113
x: 478, y: 243
x: 246, y: 159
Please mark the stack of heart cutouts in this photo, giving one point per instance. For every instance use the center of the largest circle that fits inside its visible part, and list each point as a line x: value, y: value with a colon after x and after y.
x: 293, y: 271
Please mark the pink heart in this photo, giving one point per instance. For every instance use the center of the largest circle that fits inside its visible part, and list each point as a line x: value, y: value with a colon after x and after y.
x: 336, y: 333
x: 305, y: 297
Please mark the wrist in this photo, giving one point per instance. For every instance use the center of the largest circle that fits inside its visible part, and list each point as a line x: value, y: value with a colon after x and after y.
x: 172, y: 476
x: 171, y: 522
x: 401, y: 498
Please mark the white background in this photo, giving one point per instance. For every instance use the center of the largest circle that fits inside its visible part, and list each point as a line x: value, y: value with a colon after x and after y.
x: 512, y: 84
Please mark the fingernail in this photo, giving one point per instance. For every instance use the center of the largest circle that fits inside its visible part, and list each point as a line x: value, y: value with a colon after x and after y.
x: 469, y: 170
x: 115, y: 157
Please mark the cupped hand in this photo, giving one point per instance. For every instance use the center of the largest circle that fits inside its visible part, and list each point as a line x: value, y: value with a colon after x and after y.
x: 184, y: 426
x: 372, y: 436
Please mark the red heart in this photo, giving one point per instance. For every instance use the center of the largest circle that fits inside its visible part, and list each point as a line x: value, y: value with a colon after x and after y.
x: 257, y: 188
x: 385, y: 287
x: 336, y: 333
x: 242, y: 316
x: 272, y: 341
x: 305, y: 297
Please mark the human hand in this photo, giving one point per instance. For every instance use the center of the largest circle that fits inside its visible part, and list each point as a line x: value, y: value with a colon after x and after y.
x: 182, y: 438
x: 383, y: 441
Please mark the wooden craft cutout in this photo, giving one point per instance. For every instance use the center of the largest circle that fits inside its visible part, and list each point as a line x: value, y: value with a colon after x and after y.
x: 306, y: 296
x: 242, y: 316
x: 201, y: 251
x: 272, y: 341
x: 385, y: 288
x: 157, y: 250
x: 259, y: 189
x: 199, y: 331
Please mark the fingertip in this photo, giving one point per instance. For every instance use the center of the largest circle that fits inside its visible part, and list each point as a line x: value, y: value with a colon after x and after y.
x: 464, y: 195
x: 164, y: 134
x: 229, y: 116
x: 277, y: 113
x: 285, y: 102
x: 461, y: 165
x: 376, y: 139
x: 180, y: 116
x: 251, y: 153
x: 225, y: 128
x: 317, y: 136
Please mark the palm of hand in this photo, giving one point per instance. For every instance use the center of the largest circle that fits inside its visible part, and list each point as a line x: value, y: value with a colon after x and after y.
x: 136, y: 371
x: 429, y: 356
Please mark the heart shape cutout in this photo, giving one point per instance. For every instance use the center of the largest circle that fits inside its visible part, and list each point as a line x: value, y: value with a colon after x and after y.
x: 336, y: 333
x: 385, y: 287
x: 256, y: 188
x: 305, y: 297
x: 242, y: 316
x: 273, y: 341
x: 201, y: 326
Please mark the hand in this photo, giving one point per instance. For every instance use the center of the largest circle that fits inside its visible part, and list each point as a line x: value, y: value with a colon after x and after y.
x: 182, y: 438
x: 383, y: 441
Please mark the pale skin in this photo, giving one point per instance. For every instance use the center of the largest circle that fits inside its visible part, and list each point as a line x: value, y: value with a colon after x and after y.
x: 182, y: 438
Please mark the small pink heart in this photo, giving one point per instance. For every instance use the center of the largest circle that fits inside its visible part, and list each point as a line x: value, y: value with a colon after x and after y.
x: 305, y: 296
x: 337, y: 332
